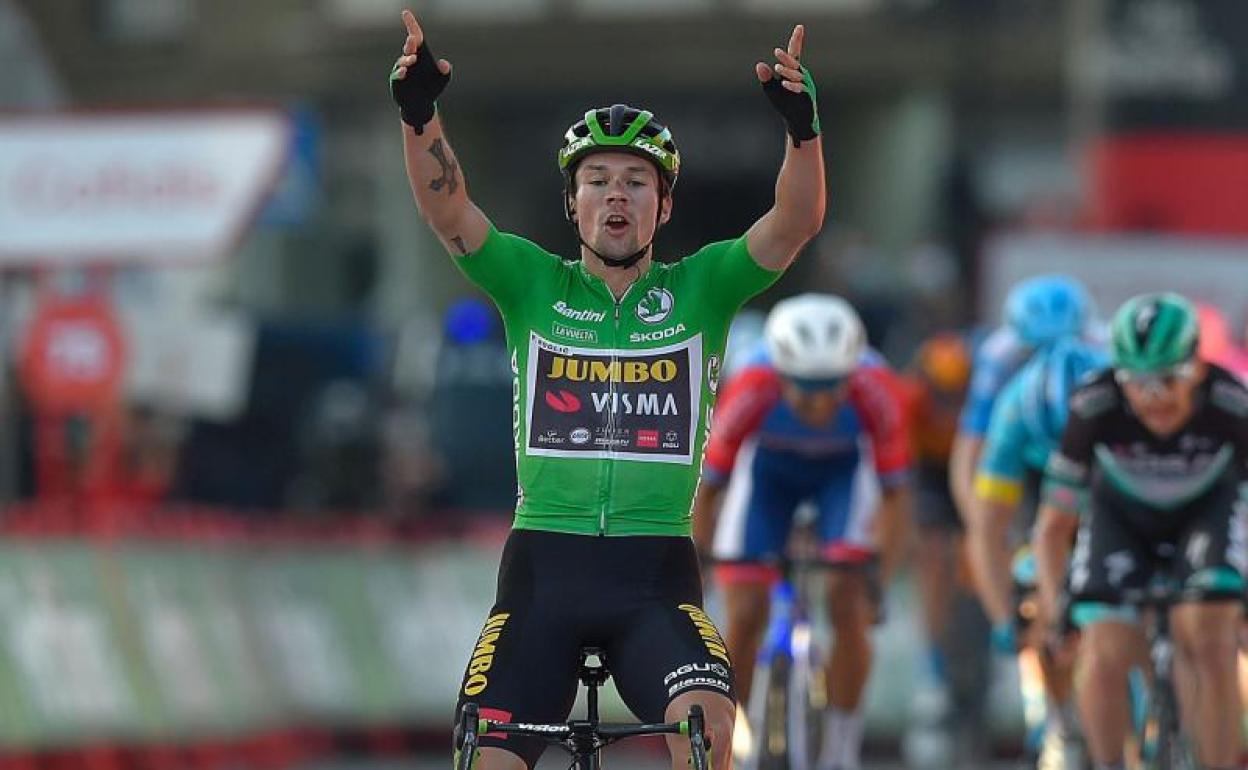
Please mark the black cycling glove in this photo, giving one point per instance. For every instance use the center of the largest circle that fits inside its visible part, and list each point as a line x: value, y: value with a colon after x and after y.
x: 800, y: 111
x: 417, y: 94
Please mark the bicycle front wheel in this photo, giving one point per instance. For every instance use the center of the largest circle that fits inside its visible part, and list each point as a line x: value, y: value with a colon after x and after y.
x: 1170, y: 749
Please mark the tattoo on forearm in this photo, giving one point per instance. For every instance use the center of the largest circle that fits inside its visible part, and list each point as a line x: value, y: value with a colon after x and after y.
x: 458, y: 242
x: 449, y: 178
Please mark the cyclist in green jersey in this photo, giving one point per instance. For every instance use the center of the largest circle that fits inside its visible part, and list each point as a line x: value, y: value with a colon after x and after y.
x: 616, y: 360
x: 1152, y: 474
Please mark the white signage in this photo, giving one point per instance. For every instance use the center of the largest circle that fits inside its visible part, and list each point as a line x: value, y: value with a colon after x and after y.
x: 163, y: 188
x: 1117, y: 267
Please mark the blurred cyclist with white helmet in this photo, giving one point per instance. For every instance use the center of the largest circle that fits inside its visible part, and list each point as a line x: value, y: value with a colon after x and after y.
x: 792, y: 427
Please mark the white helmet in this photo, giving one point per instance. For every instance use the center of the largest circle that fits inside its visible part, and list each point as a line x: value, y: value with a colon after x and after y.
x: 814, y: 336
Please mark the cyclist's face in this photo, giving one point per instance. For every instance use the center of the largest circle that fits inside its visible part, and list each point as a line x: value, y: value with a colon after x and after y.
x: 1164, y: 403
x: 814, y: 407
x: 617, y: 200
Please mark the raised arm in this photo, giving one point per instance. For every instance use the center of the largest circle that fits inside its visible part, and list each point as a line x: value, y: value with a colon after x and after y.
x: 801, y: 196
x: 432, y: 168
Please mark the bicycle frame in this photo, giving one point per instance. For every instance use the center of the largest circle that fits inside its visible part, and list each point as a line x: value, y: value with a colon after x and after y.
x: 1168, y: 748
x: 788, y: 730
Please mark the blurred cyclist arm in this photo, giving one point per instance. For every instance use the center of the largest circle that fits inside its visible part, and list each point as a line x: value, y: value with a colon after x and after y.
x: 801, y: 197
x: 1063, y: 495
x: 994, y: 498
x: 988, y: 547
x: 746, y: 400
x: 432, y: 169
x: 1054, y: 532
x: 880, y: 397
x: 706, y: 514
x: 963, y: 459
x: 896, y: 512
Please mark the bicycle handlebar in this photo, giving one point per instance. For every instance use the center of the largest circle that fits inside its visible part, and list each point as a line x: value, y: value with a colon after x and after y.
x: 558, y: 732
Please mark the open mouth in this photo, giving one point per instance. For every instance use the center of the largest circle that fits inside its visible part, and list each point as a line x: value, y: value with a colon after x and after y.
x: 616, y: 224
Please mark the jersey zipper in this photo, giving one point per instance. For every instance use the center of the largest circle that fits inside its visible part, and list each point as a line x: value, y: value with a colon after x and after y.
x: 611, y: 407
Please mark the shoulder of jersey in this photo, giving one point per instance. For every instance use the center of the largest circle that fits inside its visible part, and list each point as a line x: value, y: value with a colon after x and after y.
x: 1000, y: 343
x: 755, y: 355
x: 1228, y: 393
x: 1095, y: 396
x: 871, y: 357
x: 760, y: 375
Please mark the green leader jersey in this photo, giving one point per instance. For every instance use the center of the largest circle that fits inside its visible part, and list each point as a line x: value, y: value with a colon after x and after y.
x: 611, y: 401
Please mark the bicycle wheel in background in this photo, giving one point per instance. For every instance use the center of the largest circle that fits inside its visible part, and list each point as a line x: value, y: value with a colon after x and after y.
x: 787, y: 712
x: 1166, y: 745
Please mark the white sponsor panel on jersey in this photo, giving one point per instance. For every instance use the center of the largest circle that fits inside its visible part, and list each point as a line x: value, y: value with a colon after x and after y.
x: 629, y: 404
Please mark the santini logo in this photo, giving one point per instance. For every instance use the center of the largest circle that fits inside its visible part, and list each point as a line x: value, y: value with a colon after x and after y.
x: 562, y: 309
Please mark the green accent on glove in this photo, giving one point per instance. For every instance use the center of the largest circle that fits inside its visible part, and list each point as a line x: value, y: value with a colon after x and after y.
x: 799, y: 111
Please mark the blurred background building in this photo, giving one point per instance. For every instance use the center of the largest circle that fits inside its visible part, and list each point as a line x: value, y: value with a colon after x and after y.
x: 327, y: 366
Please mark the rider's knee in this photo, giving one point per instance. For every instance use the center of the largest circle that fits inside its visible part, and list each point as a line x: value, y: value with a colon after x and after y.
x: 1104, y: 653
x: 1216, y: 649
x: 749, y: 614
x: 490, y: 758
x: 848, y: 608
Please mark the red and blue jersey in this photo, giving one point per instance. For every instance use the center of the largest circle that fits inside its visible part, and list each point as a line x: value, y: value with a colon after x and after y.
x: 751, y: 406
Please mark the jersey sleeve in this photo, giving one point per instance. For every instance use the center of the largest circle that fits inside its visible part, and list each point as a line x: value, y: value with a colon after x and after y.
x: 1002, y: 467
x: 1230, y: 396
x: 729, y: 274
x: 1068, y: 472
x: 879, y: 398
x: 505, y: 266
x: 746, y: 400
x: 989, y: 373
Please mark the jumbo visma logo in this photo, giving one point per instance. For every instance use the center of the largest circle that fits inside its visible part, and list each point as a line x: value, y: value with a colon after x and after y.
x: 483, y: 655
x: 581, y: 370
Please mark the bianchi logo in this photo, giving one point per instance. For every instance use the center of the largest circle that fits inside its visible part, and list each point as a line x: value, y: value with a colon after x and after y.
x: 656, y: 306
x: 562, y: 309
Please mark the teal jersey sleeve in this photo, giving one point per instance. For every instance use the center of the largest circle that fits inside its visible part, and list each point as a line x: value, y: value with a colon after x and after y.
x: 1003, y: 461
x: 505, y: 267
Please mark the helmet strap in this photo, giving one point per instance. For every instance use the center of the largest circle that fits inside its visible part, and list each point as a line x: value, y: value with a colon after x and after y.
x: 622, y: 262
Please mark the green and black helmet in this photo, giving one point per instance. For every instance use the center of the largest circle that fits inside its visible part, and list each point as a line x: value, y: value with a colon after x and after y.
x: 620, y: 128
x: 1153, y: 332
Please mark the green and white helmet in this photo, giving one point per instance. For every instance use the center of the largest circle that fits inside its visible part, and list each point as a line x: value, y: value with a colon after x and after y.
x: 620, y: 128
x: 1153, y: 332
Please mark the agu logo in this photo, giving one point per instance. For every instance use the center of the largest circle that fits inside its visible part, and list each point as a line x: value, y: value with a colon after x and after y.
x: 475, y: 680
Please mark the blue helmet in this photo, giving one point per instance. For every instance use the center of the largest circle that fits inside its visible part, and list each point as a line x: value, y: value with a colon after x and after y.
x: 1047, y: 308
x: 1047, y: 381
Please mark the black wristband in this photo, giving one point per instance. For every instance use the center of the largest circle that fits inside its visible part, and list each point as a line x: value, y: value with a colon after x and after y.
x: 799, y: 111
x: 417, y: 94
